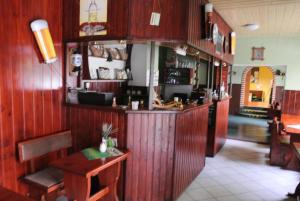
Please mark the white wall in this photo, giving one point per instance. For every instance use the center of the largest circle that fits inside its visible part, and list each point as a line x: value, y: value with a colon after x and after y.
x: 279, y: 51
x: 238, y: 73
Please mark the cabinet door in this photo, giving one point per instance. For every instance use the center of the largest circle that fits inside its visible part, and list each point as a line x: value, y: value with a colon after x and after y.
x: 117, y: 21
x: 173, y: 20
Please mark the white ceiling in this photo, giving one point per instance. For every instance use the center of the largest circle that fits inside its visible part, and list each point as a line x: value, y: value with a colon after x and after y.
x: 275, y: 17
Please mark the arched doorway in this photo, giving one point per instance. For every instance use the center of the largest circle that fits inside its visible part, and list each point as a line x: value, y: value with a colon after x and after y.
x: 258, y: 87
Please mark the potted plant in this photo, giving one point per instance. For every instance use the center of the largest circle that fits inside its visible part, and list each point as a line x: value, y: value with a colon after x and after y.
x: 106, y: 139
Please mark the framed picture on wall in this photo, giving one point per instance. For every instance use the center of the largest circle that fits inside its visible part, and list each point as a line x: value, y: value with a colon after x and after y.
x: 93, y: 17
x: 258, y: 53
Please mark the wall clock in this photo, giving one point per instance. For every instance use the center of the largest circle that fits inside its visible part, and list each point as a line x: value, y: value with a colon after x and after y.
x: 258, y: 53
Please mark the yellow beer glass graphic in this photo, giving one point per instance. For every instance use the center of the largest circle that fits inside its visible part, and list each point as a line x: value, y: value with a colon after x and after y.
x: 44, y: 40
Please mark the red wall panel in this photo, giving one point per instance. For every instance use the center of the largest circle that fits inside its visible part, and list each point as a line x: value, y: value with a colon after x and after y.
x: 291, y: 102
x: 195, y: 16
x: 31, y: 93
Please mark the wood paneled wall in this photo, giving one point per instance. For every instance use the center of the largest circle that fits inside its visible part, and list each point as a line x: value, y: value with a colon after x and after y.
x: 291, y: 102
x: 190, y: 148
x: 114, y: 87
x: 149, y: 168
x: 172, y: 22
x: 195, y: 16
x: 117, y: 23
x: 167, y: 153
x: 86, y: 128
x: 217, y: 134
x: 31, y: 93
x: 234, y: 107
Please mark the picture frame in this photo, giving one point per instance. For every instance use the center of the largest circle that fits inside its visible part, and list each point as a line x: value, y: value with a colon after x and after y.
x: 258, y: 53
x: 93, y: 17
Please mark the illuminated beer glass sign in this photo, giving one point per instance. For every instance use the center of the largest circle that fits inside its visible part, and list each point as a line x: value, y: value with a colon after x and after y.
x: 44, y: 40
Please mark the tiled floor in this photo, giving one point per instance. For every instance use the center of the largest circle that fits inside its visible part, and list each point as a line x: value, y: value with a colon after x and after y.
x: 249, y: 129
x: 240, y: 172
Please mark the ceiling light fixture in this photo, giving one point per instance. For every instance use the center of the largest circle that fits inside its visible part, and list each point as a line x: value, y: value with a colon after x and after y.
x: 251, y: 27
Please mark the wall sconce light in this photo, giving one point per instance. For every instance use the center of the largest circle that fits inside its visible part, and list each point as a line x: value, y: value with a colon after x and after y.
x: 44, y: 40
x: 208, y: 20
x: 217, y: 63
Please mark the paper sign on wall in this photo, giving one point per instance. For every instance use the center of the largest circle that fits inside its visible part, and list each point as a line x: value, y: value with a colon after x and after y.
x: 155, y: 19
x: 93, y: 17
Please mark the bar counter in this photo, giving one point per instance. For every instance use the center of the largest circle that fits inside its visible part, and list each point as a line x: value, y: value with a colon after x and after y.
x: 218, y: 126
x: 167, y: 147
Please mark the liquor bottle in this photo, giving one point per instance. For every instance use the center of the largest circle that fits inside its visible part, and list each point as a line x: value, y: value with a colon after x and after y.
x: 93, y: 9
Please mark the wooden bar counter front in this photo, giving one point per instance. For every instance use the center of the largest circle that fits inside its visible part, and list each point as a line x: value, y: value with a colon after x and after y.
x: 167, y: 148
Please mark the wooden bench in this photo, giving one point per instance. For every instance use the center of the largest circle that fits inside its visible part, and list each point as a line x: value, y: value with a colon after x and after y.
x: 280, y: 148
x: 8, y: 195
x: 49, y: 180
x: 272, y: 114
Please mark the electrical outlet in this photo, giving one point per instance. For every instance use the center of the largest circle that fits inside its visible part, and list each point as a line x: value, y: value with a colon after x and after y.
x: 155, y: 19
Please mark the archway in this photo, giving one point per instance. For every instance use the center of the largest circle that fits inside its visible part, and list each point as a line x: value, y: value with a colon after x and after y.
x: 256, y: 90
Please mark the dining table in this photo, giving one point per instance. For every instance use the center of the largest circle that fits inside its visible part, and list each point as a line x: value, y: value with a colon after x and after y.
x: 296, y: 149
x: 79, y: 171
x: 8, y: 195
x: 291, y: 124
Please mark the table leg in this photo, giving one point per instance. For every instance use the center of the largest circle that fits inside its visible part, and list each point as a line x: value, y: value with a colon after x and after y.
x: 77, y: 187
x: 110, y: 177
x: 294, y: 138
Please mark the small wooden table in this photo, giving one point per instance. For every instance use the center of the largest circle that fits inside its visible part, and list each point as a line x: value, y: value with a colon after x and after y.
x: 290, y: 123
x: 8, y: 195
x: 296, y: 147
x: 78, y: 171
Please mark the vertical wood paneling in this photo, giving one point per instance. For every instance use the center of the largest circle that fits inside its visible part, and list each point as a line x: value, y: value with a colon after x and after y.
x: 291, y: 103
x: 31, y: 93
x: 217, y: 134
x: 195, y: 30
x: 172, y: 23
x: 234, y: 107
x: 117, y: 23
x: 150, y: 137
x: 190, y: 148
x: 86, y: 127
x: 167, y: 153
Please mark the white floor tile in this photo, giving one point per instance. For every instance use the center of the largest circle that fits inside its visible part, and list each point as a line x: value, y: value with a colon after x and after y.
x: 218, y: 191
x: 184, y: 197
x: 240, y: 172
x: 228, y: 198
x: 199, y: 194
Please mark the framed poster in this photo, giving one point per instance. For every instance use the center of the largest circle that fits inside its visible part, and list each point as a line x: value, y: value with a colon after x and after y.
x: 220, y: 42
x: 93, y: 17
x: 232, y: 43
x: 258, y: 53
